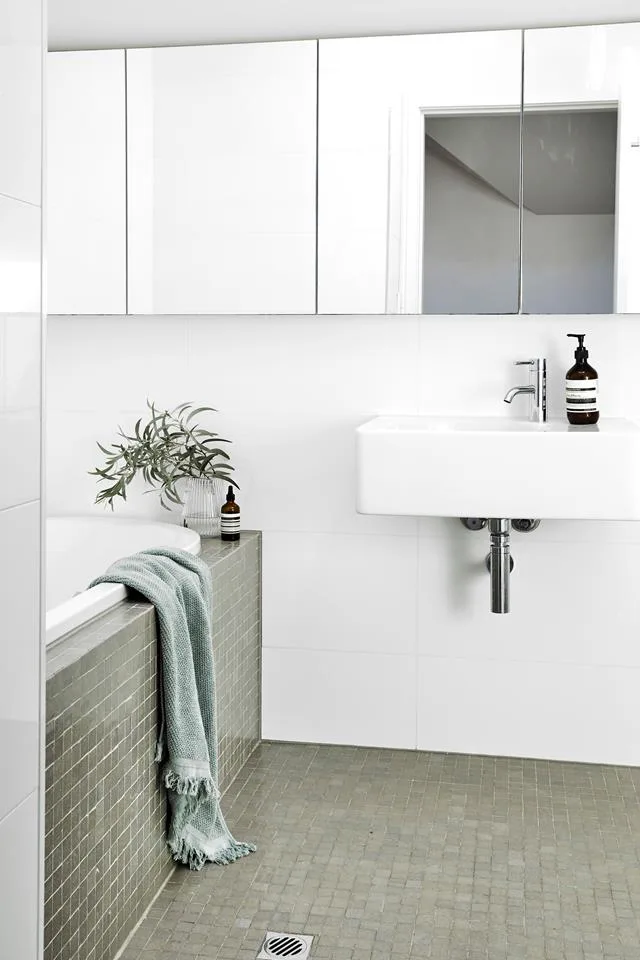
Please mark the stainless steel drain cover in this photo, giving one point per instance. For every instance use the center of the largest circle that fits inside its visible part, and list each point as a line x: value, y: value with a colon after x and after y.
x: 277, y: 945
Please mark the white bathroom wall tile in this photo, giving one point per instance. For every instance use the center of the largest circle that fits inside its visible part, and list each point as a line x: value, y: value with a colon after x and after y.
x: 587, y: 714
x: 21, y: 103
x: 300, y: 474
x: 340, y: 593
x: 19, y: 882
x: 358, y: 366
x: 629, y: 345
x: 107, y: 364
x: 586, y: 532
x: 72, y: 453
x: 20, y: 227
x: 358, y: 699
x: 467, y: 362
x: 20, y: 440
x: 20, y: 370
x: 20, y: 683
x: 559, y: 603
x: 549, y: 531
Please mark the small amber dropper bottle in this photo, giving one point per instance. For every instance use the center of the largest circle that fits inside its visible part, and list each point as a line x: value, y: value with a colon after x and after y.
x: 230, y: 518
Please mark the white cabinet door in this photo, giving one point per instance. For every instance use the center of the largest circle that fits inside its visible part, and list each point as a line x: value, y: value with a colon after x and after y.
x: 86, y: 182
x: 222, y: 178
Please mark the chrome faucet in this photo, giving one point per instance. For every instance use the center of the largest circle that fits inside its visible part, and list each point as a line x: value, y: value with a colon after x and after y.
x: 536, y: 388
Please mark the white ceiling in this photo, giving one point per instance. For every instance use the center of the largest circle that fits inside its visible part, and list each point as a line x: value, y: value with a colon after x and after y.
x: 569, y: 157
x: 86, y: 24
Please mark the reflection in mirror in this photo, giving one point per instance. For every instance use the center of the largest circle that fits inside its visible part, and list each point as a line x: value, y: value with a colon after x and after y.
x: 418, y: 173
x: 471, y: 214
x: 581, y: 183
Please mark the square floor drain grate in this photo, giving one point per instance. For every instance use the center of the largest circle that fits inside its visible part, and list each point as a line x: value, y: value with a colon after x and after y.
x: 277, y: 945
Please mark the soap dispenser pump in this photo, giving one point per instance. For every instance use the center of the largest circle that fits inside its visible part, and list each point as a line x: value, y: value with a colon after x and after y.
x: 582, y: 387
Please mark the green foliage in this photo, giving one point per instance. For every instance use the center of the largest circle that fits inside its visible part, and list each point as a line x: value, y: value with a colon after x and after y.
x: 168, y: 448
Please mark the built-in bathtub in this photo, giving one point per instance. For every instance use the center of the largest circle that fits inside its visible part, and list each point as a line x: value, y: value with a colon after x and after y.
x: 105, y: 814
x: 81, y: 548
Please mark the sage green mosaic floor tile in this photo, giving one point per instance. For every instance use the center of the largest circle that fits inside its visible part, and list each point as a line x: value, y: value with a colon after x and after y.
x: 397, y: 855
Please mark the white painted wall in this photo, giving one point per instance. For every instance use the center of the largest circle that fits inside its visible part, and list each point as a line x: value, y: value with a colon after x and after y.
x: 20, y: 414
x: 471, y: 244
x: 377, y: 630
x: 568, y: 263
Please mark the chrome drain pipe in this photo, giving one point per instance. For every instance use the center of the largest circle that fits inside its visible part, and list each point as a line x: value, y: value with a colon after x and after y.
x: 500, y: 564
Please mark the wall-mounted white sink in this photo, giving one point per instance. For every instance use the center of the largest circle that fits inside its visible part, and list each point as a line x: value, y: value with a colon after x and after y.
x: 497, y: 467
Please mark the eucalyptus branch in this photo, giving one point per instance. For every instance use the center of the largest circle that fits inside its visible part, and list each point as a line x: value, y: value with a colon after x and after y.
x: 169, y: 447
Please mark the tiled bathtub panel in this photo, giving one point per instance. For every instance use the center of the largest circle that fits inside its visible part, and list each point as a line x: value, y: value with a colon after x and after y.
x: 105, y: 814
x: 237, y: 641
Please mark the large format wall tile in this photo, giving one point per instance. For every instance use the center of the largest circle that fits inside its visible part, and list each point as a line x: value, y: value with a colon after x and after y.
x: 555, y: 711
x: 20, y: 682
x: 19, y: 881
x: 21, y: 99
x: 341, y: 593
x: 557, y: 605
x: 352, y: 698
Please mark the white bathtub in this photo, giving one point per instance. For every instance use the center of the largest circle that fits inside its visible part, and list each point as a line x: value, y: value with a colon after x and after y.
x: 81, y: 548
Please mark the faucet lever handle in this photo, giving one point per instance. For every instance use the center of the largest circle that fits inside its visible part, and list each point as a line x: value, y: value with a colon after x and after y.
x: 525, y: 363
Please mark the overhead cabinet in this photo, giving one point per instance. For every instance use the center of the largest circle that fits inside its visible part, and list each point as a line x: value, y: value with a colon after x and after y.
x: 85, y: 193
x: 220, y: 180
x: 470, y: 173
x: 221, y: 167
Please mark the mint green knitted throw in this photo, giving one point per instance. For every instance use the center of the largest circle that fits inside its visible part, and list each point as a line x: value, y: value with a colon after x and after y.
x: 179, y: 585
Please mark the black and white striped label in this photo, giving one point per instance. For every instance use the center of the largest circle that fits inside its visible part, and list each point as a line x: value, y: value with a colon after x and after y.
x: 582, y: 396
x: 229, y: 523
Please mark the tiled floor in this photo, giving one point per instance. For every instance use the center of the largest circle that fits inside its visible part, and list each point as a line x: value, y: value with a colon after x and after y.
x: 391, y: 855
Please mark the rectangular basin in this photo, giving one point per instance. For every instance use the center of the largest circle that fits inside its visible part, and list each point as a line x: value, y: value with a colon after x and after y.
x: 498, y: 467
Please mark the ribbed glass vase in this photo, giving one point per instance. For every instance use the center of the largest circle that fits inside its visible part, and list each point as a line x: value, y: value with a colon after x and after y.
x: 204, y: 497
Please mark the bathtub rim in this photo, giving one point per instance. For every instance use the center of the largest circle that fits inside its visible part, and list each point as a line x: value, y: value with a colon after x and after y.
x: 93, y: 602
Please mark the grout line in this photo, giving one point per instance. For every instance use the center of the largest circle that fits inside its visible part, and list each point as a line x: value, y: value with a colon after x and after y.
x: 29, y: 203
x: 17, y: 506
x: 35, y: 791
x: 143, y: 917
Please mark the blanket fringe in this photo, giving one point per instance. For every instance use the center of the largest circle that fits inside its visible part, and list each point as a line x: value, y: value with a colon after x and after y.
x: 184, y: 852
x: 196, y: 788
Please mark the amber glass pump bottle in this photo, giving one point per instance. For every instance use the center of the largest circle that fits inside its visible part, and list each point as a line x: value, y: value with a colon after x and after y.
x: 582, y: 387
x: 230, y: 518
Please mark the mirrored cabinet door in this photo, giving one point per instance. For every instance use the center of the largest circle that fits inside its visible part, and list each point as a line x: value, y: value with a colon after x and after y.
x: 85, y: 193
x: 581, y: 170
x: 221, y: 151
x: 419, y: 174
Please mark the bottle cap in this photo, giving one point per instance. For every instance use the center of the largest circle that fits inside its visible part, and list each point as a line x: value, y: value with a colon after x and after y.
x: 581, y: 351
x: 230, y: 495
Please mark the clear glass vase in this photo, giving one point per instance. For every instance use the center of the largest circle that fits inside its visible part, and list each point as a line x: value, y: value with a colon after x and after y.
x: 203, y: 499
